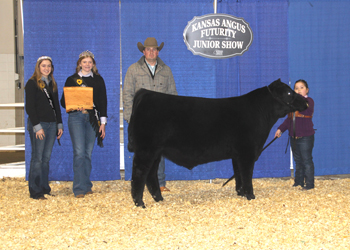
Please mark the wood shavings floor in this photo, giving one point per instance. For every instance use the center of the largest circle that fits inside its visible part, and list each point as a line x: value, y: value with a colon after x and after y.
x: 193, y: 215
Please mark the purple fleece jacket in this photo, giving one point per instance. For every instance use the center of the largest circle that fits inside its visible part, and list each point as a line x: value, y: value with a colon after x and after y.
x: 303, y: 126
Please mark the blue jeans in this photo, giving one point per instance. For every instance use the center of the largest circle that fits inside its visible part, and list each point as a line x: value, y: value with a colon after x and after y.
x: 39, y: 164
x: 304, y: 166
x: 161, y: 174
x: 83, y: 139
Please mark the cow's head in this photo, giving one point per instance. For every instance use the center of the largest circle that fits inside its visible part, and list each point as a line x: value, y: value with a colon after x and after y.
x: 286, y: 99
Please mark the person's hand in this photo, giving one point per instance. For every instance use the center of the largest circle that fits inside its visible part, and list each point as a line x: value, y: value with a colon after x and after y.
x: 60, y: 133
x: 103, y: 130
x: 40, y: 134
x: 278, y: 133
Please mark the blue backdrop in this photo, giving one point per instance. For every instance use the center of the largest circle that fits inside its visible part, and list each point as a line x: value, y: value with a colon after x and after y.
x: 63, y: 29
x: 319, y: 52
x: 292, y: 39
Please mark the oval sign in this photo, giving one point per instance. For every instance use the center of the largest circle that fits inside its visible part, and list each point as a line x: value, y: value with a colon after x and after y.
x: 218, y: 36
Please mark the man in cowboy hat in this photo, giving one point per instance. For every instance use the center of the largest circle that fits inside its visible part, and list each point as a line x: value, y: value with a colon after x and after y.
x: 151, y: 73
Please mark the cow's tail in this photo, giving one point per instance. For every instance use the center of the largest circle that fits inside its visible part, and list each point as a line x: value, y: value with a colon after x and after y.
x: 130, y: 148
x: 136, y: 103
x: 130, y: 143
x: 130, y: 137
x: 233, y: 176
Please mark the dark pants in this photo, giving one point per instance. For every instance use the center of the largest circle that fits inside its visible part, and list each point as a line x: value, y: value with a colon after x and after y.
x: 304, y: 166
x: 39, y: 164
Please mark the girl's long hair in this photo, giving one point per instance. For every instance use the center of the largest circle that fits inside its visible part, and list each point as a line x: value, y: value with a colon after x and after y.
x: 37, y: 76
x: 94, y: 69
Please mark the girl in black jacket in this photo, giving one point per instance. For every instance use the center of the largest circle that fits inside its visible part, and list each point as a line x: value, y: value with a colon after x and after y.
x: 44, y: 124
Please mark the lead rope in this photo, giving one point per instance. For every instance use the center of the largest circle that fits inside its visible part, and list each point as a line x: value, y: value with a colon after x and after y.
x: 287, y: 145
x: 293, y: 125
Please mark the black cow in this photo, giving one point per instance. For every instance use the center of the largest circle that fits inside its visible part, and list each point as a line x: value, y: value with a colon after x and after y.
x: 190, y: 131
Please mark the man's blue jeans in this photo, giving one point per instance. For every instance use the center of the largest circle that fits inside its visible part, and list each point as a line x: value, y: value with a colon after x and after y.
x: 39, y: 164
x: 83, y: 139
x: 304, y: 165
x: 160, y: 173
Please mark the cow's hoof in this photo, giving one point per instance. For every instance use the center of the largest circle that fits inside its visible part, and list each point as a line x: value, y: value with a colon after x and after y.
x: 140, y: 204
x: 240, y: 192
x: 158, y: 198
x: 143, y: 206
x: 250, y: 197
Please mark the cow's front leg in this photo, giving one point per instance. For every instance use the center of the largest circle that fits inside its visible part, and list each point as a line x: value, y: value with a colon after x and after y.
x: 153, y: 183
x: 246, y: 175
x: 138, y: 180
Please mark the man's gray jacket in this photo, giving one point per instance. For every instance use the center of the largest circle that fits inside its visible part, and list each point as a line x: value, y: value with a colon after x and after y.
x: 138, y: 76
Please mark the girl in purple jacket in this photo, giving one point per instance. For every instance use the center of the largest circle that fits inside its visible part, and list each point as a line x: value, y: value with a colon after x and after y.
x: 302, y: 139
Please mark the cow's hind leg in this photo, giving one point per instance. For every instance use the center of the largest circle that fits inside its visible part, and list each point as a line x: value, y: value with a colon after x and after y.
x: 152, y: 181
x: 238, y: 179
x: 140, y: 169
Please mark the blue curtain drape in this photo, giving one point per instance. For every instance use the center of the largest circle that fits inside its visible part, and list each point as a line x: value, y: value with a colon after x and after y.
x: 63, y: 29
x: 319, y: 52
x: 292, y: 39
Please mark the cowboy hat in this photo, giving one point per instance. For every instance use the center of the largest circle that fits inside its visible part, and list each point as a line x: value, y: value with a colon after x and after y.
x: 150, y: 42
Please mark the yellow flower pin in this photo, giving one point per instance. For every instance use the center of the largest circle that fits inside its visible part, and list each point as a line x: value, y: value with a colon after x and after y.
x: 79, y: 81
x: 42, y: 85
